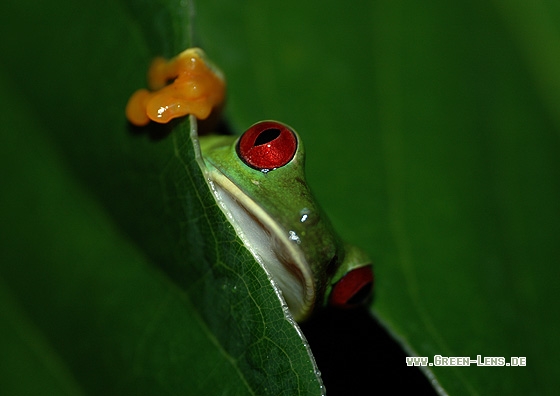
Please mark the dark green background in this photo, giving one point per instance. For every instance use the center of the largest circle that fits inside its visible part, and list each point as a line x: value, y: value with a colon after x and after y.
x: 432, y: 133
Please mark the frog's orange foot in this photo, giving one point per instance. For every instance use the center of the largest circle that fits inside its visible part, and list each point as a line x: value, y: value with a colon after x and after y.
x: 196, y: 88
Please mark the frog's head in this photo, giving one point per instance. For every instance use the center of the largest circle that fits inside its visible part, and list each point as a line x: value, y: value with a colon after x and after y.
x: 261, y: 185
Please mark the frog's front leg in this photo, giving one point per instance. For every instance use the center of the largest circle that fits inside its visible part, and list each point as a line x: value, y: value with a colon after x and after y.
x: 186, y: 84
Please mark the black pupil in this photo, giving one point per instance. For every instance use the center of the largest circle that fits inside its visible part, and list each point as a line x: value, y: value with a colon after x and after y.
x: 361, y: 296
x: 266, y: 136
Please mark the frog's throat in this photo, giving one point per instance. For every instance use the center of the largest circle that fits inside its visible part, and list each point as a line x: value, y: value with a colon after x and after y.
x: 281, y: 257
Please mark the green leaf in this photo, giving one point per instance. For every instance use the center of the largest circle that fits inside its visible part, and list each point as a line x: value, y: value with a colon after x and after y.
x: 432, y: 134
x: 119, y: 274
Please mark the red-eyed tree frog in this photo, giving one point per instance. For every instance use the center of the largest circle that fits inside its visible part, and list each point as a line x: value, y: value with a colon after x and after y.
x: 259, y: 183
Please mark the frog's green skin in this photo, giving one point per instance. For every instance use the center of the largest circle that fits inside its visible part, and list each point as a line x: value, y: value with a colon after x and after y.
x: 278, y: 219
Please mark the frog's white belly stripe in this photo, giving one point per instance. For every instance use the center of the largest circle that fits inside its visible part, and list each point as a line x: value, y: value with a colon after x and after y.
x: 271, y: 246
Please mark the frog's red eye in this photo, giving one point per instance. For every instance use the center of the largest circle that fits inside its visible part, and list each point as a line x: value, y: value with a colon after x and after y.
x: 353, y: 289
x: 267, y: 145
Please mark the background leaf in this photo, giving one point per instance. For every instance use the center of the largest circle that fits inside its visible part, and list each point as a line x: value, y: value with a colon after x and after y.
x: 119, y: 273
x: 432, y: 137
